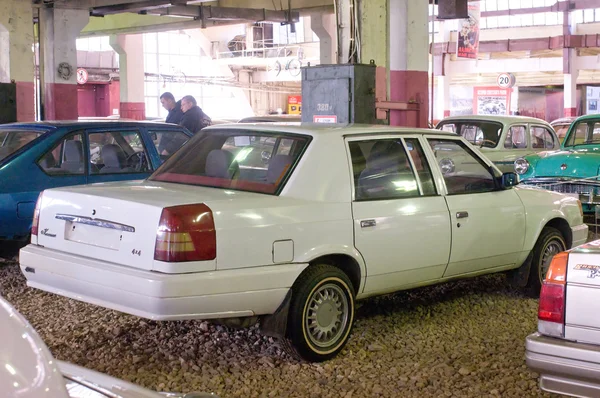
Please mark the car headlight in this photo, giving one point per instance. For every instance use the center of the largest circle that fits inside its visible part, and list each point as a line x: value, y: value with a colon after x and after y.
x: 447, y: 166
x: 521, y: 166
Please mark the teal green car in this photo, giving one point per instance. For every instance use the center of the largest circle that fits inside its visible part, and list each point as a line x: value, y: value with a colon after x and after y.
x: 574, y: 169
x: 503, y: 139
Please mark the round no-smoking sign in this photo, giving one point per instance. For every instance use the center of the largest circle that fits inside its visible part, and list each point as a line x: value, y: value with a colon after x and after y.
x: 506, y: 80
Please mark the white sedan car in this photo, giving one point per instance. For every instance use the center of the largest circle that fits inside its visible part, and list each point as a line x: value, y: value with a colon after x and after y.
x: 28, y: 369
x: 292, y: 224
x: 566, y: 348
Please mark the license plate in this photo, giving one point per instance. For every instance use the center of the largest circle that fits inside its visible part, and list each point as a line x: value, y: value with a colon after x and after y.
x: 94, y: 236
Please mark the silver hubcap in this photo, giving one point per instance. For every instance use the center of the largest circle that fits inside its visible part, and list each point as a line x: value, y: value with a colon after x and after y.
x: 552, y: 248
x: 326, y: 315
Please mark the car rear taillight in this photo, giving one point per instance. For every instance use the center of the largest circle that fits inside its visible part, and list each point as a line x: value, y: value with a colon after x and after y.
x: 186, y: 233
x: 551, y: 312
x: 36, y: 215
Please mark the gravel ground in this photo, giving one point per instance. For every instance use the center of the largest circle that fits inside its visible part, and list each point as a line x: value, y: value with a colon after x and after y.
x: 462, y: 339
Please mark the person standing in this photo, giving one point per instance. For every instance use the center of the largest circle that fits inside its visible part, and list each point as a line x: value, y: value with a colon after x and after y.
x: 174, y: 108
x: 194, y: 119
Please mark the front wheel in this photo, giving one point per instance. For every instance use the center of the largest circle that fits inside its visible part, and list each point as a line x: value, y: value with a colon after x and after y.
x: 550, y: 243
x: 321, y: 314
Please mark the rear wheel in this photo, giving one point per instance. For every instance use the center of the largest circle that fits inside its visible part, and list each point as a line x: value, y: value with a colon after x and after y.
x: 550, y: 243
x: 321, y: 314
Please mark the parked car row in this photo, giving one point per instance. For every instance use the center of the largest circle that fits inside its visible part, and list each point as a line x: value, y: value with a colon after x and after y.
x: 293, y: 239
x: 285, y: 224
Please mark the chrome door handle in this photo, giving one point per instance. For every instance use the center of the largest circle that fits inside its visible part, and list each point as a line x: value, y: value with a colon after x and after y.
x: 462, y: 214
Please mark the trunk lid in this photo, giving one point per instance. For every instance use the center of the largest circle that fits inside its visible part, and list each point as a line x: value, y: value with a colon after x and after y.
x: 583, y: 294
x: 116, y: 222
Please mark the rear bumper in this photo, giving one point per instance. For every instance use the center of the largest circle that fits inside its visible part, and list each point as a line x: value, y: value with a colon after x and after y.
x: 159, y: 296
x: 580, y: 235
x: 565, y: 367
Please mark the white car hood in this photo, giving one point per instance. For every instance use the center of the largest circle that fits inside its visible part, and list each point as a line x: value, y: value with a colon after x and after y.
x: 27, y: 368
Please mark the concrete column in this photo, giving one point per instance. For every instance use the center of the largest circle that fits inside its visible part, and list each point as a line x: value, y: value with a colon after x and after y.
x: 374, y: 32
x: 131, y: 75
x: 408, y: 55
x: 59, y: 29
x: 344, y: 20
x: 442, y: 97
x: 324, y: 27
x: 17, y: 61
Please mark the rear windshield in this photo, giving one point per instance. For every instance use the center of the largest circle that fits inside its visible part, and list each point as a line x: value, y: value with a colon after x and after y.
x: 477, y: 132
x: 235, y: 159
x: 12, y: 141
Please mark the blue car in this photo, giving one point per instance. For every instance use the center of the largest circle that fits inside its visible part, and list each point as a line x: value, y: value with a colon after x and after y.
x: 37, y: 156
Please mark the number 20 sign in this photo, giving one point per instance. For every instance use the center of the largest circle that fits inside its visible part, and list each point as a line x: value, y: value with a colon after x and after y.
x: 506, y: 80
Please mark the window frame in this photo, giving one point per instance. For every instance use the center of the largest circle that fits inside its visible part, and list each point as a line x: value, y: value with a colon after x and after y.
x: 62, y: 139
x: 390, y: 136
x: 527, y: 133
x: 125, y: 129
x: 550, y: 131
x: 241, y: 131
x: 483, y: 161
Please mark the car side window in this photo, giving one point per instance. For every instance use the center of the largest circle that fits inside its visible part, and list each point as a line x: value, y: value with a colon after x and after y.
x: 541, y: 138
x: 516, y: 138
x: 421, y: 166
x: 382, y: 170
x: 115, y: 152
x: 65, y: 158
x: 463, y: 171
x: 167, y: 142
x: 448, y: 127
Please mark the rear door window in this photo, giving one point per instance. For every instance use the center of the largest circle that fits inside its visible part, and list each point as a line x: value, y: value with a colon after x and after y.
x: 516, y: 138
x: 65, y: 158
x: 541, y: 138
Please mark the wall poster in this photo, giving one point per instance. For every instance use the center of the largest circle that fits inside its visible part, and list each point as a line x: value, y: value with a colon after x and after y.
x: 468, y: 33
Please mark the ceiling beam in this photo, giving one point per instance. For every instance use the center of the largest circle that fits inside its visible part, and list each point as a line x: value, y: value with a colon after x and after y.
x: 204, y: 13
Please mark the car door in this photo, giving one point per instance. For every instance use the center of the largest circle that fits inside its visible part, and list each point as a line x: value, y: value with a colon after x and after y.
x: 488, y: 222
x: 401, y: 222
x: 117, y: 154
x: 542, y: 138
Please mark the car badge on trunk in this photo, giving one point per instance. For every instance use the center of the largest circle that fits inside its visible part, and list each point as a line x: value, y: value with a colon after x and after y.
x: 593, y: 269
x: 563, y: 166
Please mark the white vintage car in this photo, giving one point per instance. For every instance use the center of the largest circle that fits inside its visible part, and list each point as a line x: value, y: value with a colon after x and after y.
x: 565, y: 350
x: 28, y: 369
x: 292, y: 224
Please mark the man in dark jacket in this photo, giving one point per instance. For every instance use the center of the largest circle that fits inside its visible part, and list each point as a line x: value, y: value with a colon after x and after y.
x: 168, y: 102
x: 194, y: 119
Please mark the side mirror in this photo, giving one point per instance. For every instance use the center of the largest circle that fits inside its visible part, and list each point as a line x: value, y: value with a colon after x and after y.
x: 509, y: 180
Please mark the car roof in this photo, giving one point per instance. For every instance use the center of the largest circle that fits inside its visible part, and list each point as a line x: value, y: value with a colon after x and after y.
x: 563, y: 120
x: 496, y: 118
x: 589, y: 117
x: 87, y: 123
x: 316, y: 129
